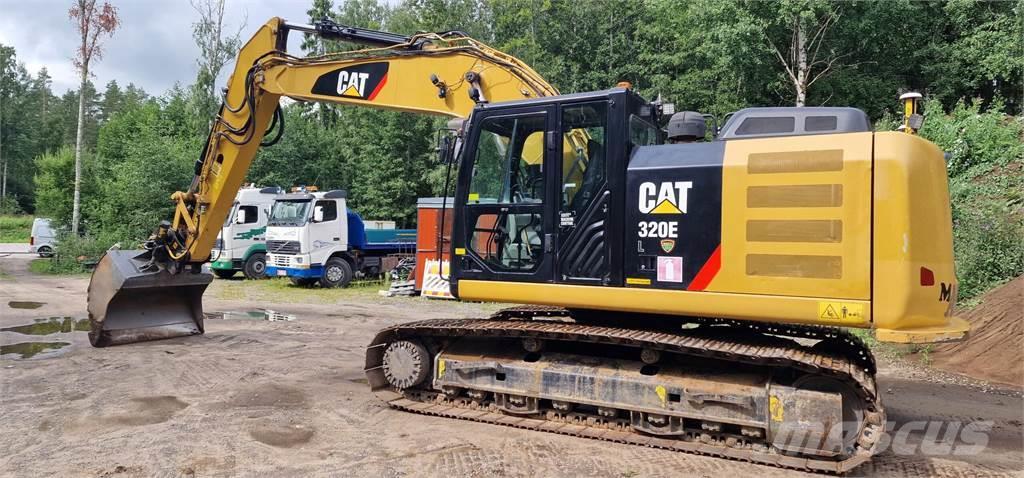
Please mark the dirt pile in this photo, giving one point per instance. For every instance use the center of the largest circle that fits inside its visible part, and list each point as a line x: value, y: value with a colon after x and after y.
x: 995, y: 349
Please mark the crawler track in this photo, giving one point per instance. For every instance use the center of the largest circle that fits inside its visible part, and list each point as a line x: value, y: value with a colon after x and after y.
x: 727, y: 343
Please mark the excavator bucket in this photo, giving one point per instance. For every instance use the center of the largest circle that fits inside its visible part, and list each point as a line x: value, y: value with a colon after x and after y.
x: 128, y: 303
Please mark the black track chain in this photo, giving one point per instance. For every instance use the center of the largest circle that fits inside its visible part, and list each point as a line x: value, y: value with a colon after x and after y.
x: 529, y: 312
x: 850, y: 345
x: 838, y: 341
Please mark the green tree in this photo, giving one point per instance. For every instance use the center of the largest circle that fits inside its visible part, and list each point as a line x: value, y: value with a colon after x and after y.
x: 54, y: 172
x: 19, y: 131
x: 48, y: 130
x: 113, y: 101
x: 707, y: 56
x: 579, y: 46
x: 216, y: 47
x: 134, y: 194
x: 308, y: 154
x: 980, y: 54
x: 13, y: 79
x: 312, y: 44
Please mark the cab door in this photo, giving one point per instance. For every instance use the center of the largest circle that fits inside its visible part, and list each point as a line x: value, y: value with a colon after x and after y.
x: 325, y: 233
x: 505, y: 229
x: 584, y: 198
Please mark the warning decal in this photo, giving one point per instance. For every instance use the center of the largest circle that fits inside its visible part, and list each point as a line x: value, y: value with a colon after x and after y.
x: 841, y: 311
x: 670, y: 269
x: 775, y: 408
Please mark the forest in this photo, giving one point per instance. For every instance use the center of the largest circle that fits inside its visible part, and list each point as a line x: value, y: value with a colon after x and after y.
x: 711, y: 56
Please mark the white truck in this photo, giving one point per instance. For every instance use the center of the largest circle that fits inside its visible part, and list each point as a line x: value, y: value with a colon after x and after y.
x: 241, y: 245
x: 313, y: 237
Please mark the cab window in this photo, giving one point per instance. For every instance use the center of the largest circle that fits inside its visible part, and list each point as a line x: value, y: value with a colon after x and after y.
x: 252, y: 214
x: 641, y: 133
x: 508, y: 170
x: 330, y: 209
x: 508, y: 167
x: 583, y: 154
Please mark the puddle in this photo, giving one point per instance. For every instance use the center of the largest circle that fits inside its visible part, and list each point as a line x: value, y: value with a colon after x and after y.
x: 24, y: 304
x: 255, y: 314
x: 51, y: 325
x: 25, y: 350
x: 282, y: 436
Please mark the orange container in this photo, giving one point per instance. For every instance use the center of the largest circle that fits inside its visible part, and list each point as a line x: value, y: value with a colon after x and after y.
x: 428, y: 233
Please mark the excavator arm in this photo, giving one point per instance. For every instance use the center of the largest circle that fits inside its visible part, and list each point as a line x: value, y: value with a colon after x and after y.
x: 440, y: 74
x: 156, y: 293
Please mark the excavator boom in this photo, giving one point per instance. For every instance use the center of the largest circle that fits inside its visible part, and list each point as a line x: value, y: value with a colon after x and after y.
x: 156, y: 293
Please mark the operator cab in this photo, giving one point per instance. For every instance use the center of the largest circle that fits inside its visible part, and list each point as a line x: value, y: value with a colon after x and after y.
x: 540, y: 182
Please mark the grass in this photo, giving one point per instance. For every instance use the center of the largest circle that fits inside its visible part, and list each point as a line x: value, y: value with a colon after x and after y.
x: 924, y: 353
x: 51, y: 267
x: 42, y: 266
x: 894, y: 351
x: 282, y: 290
x: 15, y: 228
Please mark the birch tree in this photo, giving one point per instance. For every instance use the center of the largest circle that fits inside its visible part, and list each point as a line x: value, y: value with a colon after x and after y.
x: 6, y: 70
x: 94, y: 24
x: 806, y: 57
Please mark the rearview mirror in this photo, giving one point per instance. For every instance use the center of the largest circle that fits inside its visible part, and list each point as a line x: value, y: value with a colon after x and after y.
x: 447, y: 139
x: 318, y: 214
x: 240, y: 216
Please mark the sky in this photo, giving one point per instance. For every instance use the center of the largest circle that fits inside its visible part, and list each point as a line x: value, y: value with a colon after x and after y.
x: 153, y: 47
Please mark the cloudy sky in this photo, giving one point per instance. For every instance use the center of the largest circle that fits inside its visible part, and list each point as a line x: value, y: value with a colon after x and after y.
x: 153, y: 48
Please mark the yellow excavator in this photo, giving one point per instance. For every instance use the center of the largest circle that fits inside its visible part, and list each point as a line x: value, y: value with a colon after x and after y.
x: 693, y: 296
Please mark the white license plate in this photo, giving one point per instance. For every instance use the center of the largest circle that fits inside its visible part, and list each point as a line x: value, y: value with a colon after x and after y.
x: 282, y: 273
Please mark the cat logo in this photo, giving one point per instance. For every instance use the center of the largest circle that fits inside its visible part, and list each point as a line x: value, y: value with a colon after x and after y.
x: 664, y: 198
x: 361, y: 82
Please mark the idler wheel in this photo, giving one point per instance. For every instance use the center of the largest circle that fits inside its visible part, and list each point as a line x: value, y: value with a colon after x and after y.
x: 406, y: 364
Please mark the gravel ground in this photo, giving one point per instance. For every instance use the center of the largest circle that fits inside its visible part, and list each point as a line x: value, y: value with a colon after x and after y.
x: 254, y: 397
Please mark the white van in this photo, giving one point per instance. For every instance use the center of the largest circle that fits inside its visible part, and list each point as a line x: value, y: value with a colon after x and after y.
x: 43, y: 238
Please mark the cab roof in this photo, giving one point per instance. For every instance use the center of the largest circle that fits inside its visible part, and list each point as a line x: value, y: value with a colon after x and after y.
x: 588, y: 95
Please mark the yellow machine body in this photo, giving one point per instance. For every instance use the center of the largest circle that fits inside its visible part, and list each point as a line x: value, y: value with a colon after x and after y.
x: 848, y: 230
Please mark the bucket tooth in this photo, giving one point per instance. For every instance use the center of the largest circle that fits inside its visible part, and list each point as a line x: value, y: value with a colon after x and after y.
x: 128, y: 302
